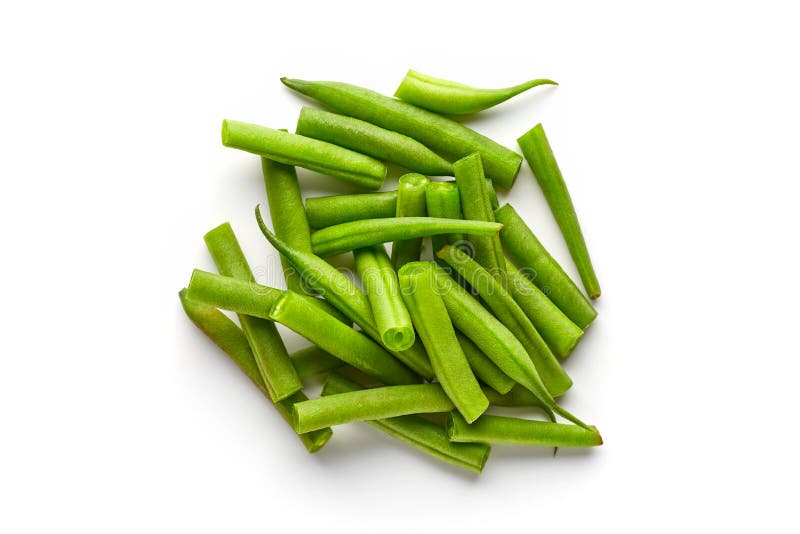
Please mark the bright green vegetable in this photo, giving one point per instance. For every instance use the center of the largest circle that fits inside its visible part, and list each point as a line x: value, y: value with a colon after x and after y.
x: 518, y: 397
x: 359, y: 234
x: 312, y: 361
x: 536, y: 149
x: 313, y: 154
x: 483, y: 367
x: 492, y: 194
x: 420, y: 433
x: 230, y: 338
x: 383, y: 292
x: 270, y: 353
x: 430, y: 318
x: 443, y: 201
x: 442, y: 135
x: 372, y: 140
x: 514, y: 431
x: 511, y: 315
x: 337, y: 209
x: 452, y: 98
x: 410, y: 203
x: 538, y: 265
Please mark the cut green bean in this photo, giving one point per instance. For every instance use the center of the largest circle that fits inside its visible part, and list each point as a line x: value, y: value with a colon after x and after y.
x: 313, y: 361
x: 383, y: 292
x: 483, y: 367
x: 511, y: 315
x: 492, y: 195
x: 538, y: 265
x: 453, y: 98
x: 433, y: 324
x: 443, y: 201
x: 536, y: 149
x: 305, y: 152
x: 442, y: 135
x: 359, y: 234
x: 372, y: 140
x: 514, y: 431
x: 410, y: 203
x: 270, y: 353
x: 337, y: 209
x: 518, y: 397
x: 420, y: 433
x: 230, y: 338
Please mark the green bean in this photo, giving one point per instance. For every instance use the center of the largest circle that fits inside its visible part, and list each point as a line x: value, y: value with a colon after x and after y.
x: 556, y: 329
x: 514, y: 431
x: 305, y: 152
x: 368, y: 405
x: 359, y: 234
x: 420, y: 433
x: 538, y: 265
x: 452, y: 98
x: 270, y: 353
x: 511, y: 315
x: 536, y: 149
x: 230, y: 338
x: 312, y: 361
x: 518, y: 397
x: 347, y: 344
x: 442, y: 200
x: 442, y: 135
x: 372, y: 140
x: 383, y: 292
x: 483, y: 367
x: 410, y: 203
x: 430, y: 318
x: 337, y: 209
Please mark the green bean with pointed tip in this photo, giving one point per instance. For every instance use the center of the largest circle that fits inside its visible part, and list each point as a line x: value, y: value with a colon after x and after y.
x: 484, y: 368
x: 410, y: 203
x: 313, y: 361
x: 337, y: 209
x: 515, y: 431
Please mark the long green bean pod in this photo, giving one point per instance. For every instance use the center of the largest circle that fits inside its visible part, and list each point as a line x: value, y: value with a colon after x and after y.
x: 442, y: 200
x: 359, y: 234
x: 430, y: 318
x: 453, y: 98
x: 514, y: 431
x: 383, y: 292
x: 293, y: 149
x: 484, y: 368
x: 270, y: 353
x: 536, y: 149
x: 313, y: 361
x: 420, y: 433
x: 410, y: 203
x: 442, y: 135
x: 372, y: 140
x: 230, y: 338
x: 543, y: 270
x: 331, y: 210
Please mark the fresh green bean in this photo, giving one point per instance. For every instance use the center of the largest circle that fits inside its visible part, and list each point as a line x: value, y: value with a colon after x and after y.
x: 514, y: 431
x: 442, y: 200
x: 518, y: 397
x: 538, y: 265
x: 347, y: 344
x: 452, y: 98
x: 383, y: 292
x: 492, y: 195
x: 337, y: 209
x: 536, y: 149
x: 420, y: 433
x: 230, y: 338
x: 410, y: 203
x: 442, y: 135
x: 293, y: 149
x: 430, y: 318
x: 312, y: 361
x: 483, y: 367
x: 511, y: 315
x: 372, y: 140
x: 359, y: 234
x: 270, y: 353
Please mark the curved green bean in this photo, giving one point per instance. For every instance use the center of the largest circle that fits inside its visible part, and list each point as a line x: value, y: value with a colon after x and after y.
x: 538, y: 265
x: 442, y: 200
x: 442, y: 135
x: 484, y: 368
x: 312, y: 361
x: 514, y: 431
x: 452, y: 98
x: 305, y: 152
x: 410, y: 203
x: 337, y: 209
x: 372, y: 140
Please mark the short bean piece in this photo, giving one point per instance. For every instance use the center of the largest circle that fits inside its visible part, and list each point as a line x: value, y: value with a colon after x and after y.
x: 337, y: 209
x: 515, y: 431
x: 312, y: 361
x: 484, y: 368
x: 442, y: 200
x: 410, y: 203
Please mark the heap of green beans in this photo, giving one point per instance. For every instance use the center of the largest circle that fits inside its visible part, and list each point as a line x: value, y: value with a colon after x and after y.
x: 464, y: 313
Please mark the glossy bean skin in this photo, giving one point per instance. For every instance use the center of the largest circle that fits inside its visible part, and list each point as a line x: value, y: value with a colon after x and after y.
x: 366, y: 138
x: 441, y: 134
x: 313, y: 361
x: 484, y: 368
x: 443, y: 200
x: 514, y: 431
x: 293, y: 149
x: 410, y: 203
x: 453, y: 98
x: 337, y: 209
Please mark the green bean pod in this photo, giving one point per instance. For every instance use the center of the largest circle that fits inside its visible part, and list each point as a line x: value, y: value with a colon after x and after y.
x: 453, y: 98
x: 293, y: 149
x: 433, y: 324
x: 518, y: 397
x: 442, y: 135
x: 514, y: 431
x: 536, y: 149
x: 420, y: 433
x: 492, y: 195
x: 327, y: 211
x: 313, y: 361
x: 359, y: 234
x: 484, y: 368
x: 410, y: 203
x: 230, y: 338
x: 442, y: 200
x: 542, y: 269
x: 372, y: 140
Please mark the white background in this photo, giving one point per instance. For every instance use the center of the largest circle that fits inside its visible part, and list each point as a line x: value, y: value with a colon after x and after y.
x: 676, y: 128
